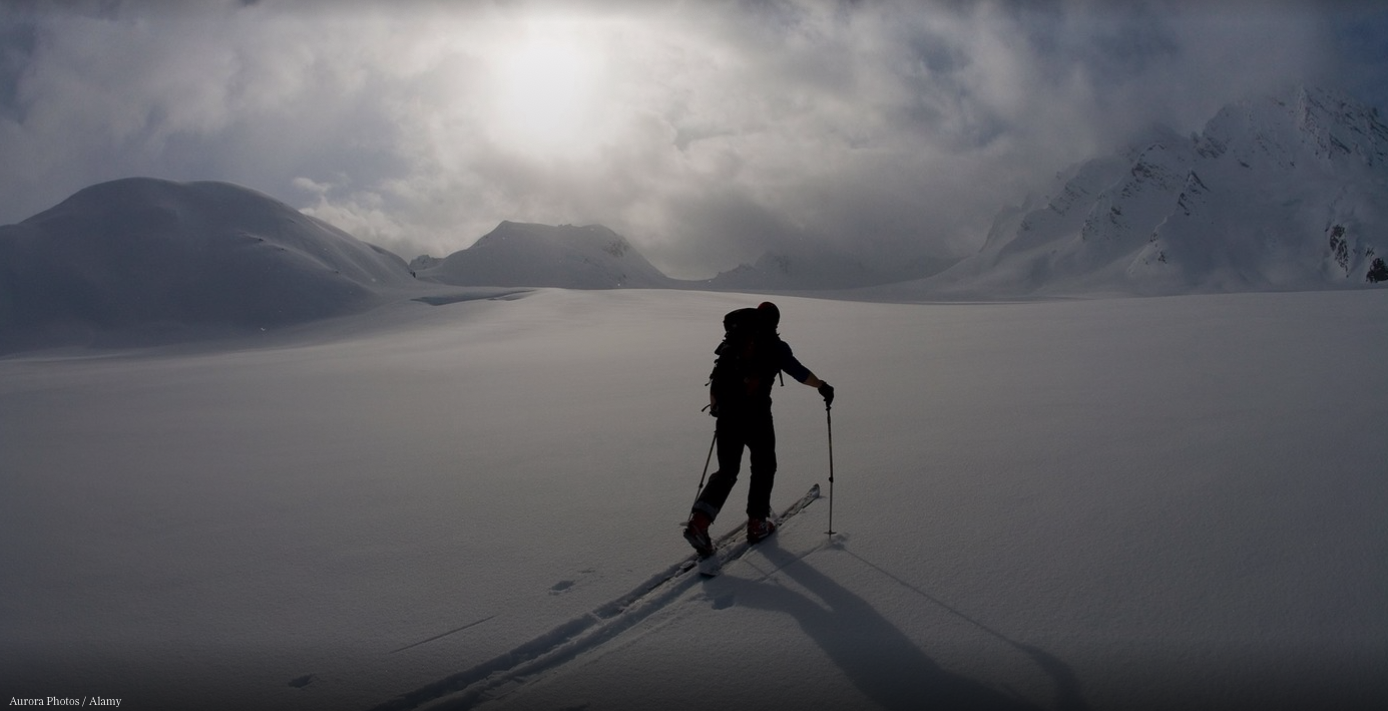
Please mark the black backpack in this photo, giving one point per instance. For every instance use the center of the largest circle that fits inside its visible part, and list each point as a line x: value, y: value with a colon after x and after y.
x: 748, y: 360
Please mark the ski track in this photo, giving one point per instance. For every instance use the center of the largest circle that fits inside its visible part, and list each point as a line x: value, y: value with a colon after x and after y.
x: 497, y: 677
x: 412, y: 645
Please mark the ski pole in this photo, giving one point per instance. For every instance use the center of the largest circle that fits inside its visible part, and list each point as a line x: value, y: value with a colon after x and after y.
x: 707, y: 459
x: 829, y: 423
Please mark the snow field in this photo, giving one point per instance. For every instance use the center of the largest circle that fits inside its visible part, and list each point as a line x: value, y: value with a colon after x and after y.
x: 1157, y: 503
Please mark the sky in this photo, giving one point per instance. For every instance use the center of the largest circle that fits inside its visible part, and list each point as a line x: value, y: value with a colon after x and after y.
x: 707, y: 133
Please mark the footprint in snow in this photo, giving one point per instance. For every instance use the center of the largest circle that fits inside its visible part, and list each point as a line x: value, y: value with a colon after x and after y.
x: 564, y: 586
x: 302, y: 681
x: 723, y: 602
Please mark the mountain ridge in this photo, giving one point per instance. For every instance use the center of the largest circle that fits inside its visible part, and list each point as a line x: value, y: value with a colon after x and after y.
x: 143, y: 259
x: 1282, y: 192
x: 529, y: 254
x: 1275, y: 193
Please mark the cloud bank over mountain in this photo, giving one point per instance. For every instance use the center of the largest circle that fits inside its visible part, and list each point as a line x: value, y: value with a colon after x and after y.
x: 1276, y: 193
x: 709, y: 133
x: 1280, y: 192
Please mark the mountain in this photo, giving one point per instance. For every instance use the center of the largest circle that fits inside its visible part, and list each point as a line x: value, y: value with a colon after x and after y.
x: 1277, y: 193
x: 140, y: 260
x: 523, y: 254
x: 519, y: 254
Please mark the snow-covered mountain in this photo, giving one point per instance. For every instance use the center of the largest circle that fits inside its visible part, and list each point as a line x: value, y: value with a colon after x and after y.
x: 595, y: 257
x: 1280, y: 192
x: 138, y: 259
x: 525, y: 254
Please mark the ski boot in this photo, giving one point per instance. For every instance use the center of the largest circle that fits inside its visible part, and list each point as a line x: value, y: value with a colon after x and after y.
x: 696, y: 532
x: 759, y: 528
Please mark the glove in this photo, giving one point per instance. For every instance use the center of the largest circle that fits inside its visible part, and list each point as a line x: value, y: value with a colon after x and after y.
x: 827, y: 392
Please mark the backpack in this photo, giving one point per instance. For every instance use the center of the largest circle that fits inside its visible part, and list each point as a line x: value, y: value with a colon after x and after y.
x: 748, y: 360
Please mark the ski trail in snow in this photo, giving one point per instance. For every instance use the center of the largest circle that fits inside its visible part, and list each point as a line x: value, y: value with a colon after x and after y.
x: 442, y: 635
x: 498, y: 676
x: 552, y: 649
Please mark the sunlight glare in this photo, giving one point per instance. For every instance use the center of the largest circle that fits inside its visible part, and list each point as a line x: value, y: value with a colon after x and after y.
x: 546, y: 93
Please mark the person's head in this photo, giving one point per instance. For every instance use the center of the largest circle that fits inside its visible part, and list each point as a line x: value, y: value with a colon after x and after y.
x: 769, y: 312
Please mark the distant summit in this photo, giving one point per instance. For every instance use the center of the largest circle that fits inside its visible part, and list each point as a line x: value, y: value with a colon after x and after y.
x: 1278, y: 193
x: 569, y: 257
x: 517, y: 254
x: 143, y: 260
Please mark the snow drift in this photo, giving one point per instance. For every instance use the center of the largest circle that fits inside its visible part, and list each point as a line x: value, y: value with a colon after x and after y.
x: 141, y: 259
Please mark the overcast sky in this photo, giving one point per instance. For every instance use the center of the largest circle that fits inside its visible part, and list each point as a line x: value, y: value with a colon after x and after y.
x: 707, y: 132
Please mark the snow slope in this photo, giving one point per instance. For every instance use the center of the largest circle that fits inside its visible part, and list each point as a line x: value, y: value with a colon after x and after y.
x: 1279, y: 193
x: 140, y: 259
x: 1106, y: 504
x: 532, y: 255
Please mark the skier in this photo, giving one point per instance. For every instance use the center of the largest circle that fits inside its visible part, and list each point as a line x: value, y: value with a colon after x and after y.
x: 749, y: 359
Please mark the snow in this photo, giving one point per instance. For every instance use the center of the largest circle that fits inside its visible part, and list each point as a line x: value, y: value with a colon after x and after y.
x: 567, y: 256
x: 141, y: 260
x: 249, y: 461
x: 1281, y: 193
x: 1105, y: 504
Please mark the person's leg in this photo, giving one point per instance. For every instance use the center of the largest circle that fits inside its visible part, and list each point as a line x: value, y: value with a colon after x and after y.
x: 731, y: 440
x: 761, y: 442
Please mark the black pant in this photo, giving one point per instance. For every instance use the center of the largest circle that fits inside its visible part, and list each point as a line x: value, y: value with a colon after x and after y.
x: 753, y: 430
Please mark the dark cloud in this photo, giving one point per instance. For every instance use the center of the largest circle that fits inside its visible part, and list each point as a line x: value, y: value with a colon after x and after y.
x: 1358, y: 54
x: 706, y: 132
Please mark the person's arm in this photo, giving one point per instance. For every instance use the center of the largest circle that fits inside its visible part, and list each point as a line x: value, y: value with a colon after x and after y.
x: 826, y: 390
x: 799, y: 372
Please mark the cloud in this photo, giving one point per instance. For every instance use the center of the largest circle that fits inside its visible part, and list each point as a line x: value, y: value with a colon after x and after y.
x: 706, y: 132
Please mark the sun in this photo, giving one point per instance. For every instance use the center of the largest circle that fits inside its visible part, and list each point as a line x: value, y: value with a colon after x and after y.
x: 546, y: 91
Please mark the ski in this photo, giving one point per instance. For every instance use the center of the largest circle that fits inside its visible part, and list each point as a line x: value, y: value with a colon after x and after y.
x: 733, y: 544
x: 495, y: 678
